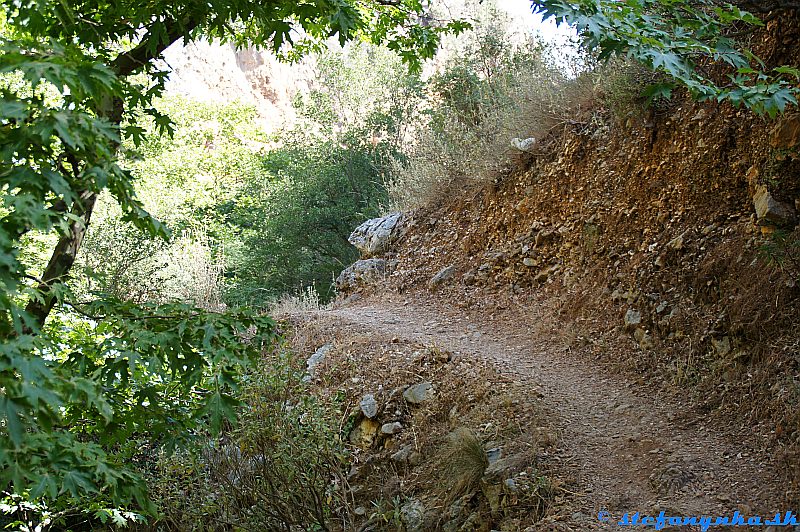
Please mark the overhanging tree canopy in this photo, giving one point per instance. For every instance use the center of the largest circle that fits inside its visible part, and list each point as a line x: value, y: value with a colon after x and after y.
x: 61, y: 151
x: 74, y: 77
x: 683, y: 39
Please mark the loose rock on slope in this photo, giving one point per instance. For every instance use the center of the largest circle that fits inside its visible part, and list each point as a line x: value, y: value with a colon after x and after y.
x: 360, y: 273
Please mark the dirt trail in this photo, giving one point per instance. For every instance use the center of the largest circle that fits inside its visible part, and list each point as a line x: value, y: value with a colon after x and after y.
x: 630, y: 448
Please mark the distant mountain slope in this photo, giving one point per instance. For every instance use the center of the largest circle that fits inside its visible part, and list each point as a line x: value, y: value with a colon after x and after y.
x: 214, y: 72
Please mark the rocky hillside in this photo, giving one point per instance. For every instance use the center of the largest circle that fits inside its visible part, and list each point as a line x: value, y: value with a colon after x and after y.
x: 667, y: 247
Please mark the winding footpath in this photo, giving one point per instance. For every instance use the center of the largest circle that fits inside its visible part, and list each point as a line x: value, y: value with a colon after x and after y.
x: 630, y: 448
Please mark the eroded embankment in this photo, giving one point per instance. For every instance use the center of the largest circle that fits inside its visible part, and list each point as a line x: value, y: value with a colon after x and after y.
x: 440, y: 440
x: 660, y: 252
x: 651, y: 245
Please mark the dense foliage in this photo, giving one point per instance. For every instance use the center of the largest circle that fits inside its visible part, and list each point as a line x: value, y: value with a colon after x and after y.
x: 327, y: 175
x: 124, y: 379
x: 188, y: 182
x: 295, y: 220
x: 283, y: 468
x: 682, y: 38
x: 257, y: 215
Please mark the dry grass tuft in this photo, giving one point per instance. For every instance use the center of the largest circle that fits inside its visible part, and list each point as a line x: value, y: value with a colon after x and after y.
x: 301, y: 302
x: 620, y: 86
x: 462, y: 463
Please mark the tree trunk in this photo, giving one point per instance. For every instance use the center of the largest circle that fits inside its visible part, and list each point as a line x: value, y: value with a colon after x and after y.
x: 62, y: 259
x: 66, y: 250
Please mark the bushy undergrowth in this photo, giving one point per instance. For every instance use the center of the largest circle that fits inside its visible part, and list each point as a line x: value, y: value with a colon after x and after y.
x: 122, y: 381
x: 256, y: 215
x: 182, y: 181
x: 325, y: 176
x: 491, y: 92
x: 293, y: 221
x: 282, y: 468
x: 622, y: 87
x: 306, y: 300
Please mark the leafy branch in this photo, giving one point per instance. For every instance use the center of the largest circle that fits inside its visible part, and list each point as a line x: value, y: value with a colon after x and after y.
x: 680, y: 37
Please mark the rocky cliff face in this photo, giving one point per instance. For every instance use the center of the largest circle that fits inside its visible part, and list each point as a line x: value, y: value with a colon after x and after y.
x: 213, y: 72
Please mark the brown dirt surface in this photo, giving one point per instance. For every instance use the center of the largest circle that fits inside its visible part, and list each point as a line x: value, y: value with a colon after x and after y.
x: 625, y: 445
x: 652, y: 219
x: 622, y: 273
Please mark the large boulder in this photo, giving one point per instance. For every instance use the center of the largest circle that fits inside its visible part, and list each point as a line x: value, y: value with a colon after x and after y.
x: 360, y: 273
x: 376, y: 235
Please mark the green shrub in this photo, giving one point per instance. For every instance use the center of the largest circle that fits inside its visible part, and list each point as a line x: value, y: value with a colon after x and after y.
x: 122, y: 381
x: 186, y: 182
x: 322, y: 178
x: 294, y: 220
x: 701, y: 45
x: 282, y: 468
